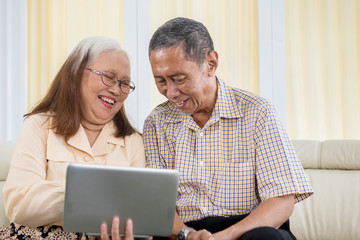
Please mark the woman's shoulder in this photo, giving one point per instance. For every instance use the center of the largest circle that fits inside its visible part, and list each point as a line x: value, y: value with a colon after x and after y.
x: 40, y: 119
x: 133, y: 138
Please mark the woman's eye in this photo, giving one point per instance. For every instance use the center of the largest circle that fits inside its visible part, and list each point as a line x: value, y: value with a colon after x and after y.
x: 110, y: 76
x: 125, y: 83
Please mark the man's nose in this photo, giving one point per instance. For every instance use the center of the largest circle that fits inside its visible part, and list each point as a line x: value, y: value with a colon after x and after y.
x: 172, y: 90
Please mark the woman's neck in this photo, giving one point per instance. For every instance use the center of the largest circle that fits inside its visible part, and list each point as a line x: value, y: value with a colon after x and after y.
x: 93, y: 128
x: 92, y: 131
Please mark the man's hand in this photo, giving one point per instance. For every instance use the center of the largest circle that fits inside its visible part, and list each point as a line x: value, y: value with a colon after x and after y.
x: 200, y: 235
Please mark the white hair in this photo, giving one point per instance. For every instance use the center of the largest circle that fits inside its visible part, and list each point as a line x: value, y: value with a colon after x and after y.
x: 90, y: 48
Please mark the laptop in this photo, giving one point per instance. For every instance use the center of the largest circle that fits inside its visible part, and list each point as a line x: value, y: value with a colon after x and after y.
x: 97, y: 193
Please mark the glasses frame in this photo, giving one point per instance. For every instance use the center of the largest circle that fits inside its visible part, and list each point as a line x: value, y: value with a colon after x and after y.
x: 121, y: 82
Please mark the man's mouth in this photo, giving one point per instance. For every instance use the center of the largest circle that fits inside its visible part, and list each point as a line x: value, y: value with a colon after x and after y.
x: 179, y: 104
x: 108, y: 100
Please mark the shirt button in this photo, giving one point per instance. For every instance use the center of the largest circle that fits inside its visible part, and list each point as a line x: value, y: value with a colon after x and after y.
x: 86, y: 159
x: 201, y: 163
x: 201, y: 134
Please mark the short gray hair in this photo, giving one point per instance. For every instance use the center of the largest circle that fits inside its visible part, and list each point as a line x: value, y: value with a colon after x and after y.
x: 192, y: 35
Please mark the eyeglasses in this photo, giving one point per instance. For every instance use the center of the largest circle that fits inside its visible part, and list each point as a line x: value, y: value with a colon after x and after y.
x: 110, y: 79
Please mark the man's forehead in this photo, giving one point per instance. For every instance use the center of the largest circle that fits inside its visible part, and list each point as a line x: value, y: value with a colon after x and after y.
x: 174, y: 50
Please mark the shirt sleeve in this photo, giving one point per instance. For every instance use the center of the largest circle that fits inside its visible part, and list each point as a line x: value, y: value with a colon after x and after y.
x: 29, y: 198
x: 278, y: 169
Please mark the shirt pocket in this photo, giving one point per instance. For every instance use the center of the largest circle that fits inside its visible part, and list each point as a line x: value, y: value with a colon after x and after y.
x: 235, y: 187
x: 58, y: 159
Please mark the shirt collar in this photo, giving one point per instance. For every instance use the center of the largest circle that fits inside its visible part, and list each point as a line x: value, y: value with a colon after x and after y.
x: 174, y: 115
x: 226, y: 104
x: 103, y: 143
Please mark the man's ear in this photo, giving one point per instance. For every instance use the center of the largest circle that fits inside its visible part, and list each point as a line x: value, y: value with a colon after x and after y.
x: 212, y: 62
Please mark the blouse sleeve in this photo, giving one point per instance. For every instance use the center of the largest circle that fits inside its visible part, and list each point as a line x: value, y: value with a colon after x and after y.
x: 29, y: 198
x: 135, y: 149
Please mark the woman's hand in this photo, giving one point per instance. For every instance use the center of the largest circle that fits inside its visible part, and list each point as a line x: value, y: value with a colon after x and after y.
x: 115, y: 233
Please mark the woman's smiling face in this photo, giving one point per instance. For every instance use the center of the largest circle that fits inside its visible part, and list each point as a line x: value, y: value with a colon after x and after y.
x: 100, y: 103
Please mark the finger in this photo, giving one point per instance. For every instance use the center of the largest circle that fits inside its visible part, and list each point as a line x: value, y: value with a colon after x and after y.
x: 104, y: 232
x: 115, y: 234
x: 129, y: 230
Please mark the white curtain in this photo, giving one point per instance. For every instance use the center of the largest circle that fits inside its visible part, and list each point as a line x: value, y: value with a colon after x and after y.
x: 323, y: 68
x: 13, y: 67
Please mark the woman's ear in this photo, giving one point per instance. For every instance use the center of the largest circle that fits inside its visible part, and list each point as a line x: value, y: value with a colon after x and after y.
x: 212, y: 62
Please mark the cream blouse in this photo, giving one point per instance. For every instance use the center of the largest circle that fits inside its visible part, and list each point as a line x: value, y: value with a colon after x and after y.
x: 34, y: 189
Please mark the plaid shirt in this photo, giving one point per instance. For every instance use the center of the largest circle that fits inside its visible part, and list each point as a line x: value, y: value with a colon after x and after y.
x: 240, y: 158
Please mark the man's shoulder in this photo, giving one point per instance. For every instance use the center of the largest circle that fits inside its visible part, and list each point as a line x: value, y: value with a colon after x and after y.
x: 164, y: 111
x: 243, y: 97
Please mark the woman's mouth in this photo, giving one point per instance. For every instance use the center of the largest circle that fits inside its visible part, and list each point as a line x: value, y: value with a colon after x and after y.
x: 107, y: 100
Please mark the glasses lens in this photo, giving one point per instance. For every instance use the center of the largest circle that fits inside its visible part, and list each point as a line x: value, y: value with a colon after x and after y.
x: 109, y: 78
x: 127, y: 86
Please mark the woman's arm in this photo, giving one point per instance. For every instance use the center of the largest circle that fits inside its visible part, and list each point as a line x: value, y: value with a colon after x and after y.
x: 30, y: 199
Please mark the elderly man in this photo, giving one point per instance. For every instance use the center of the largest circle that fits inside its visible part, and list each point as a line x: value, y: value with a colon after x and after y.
x: 239, y: 173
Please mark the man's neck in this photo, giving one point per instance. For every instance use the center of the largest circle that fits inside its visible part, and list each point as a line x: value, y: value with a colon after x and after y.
x: 202, y: 117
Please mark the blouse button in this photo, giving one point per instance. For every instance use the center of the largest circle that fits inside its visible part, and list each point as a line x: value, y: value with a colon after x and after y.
x: 86, y: 159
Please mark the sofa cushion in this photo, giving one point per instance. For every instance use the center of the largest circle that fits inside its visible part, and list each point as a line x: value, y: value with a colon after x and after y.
x: 6, y: 149
x: 333, y: 211
x: 330, y: 154
x: 3, y: 219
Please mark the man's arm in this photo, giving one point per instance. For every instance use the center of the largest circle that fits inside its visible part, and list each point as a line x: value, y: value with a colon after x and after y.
x: 273, y: 212
x: 199, y: 235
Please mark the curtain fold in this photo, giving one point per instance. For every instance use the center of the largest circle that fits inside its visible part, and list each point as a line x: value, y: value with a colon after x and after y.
x: 55, y: 27
x: 232, y: 25
x: 322, y: 52
x: 323, y: 62
x: 13, y: 65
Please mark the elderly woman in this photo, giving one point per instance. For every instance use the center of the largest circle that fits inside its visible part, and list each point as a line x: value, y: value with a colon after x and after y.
x: 80, y: 120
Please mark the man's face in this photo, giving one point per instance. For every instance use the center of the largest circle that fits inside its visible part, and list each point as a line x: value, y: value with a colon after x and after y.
x: 181, y: 81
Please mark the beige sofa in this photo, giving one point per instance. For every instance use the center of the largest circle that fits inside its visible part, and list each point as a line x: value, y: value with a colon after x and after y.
x: 333, y: 212
x: 6, y: 149
x: 333, y: 168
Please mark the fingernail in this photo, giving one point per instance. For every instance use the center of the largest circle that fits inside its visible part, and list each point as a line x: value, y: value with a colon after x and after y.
x: 129, y: 222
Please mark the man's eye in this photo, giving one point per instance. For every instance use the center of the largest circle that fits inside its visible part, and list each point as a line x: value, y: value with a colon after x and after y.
x: 180, y: 80
x: 160, y: 81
